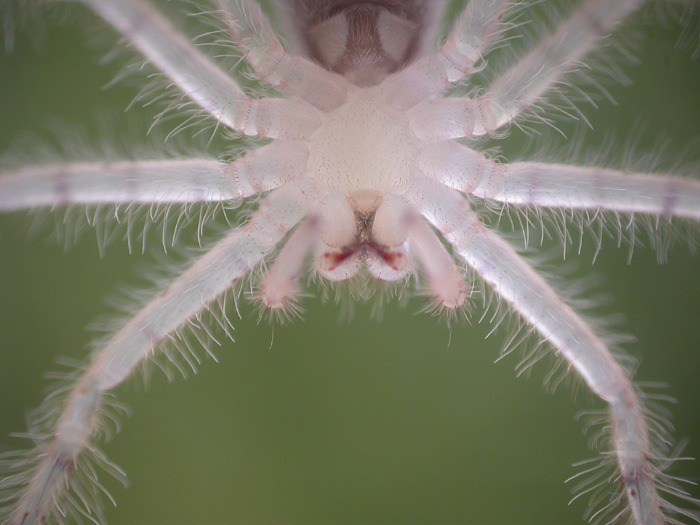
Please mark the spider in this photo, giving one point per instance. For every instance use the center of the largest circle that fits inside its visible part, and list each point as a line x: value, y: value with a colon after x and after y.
x: 363, y: 219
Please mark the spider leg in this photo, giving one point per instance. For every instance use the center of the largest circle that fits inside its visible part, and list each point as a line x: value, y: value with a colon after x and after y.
x: 529, y: 295
x: 187, y: 181
x: 471, y: 35
x: 279, y: 287
x: 252, y: 33
x: 201, y: 80
x: 446, y: 283
x: 540, y: 70
x: 186, y: 298
x: 450, y: 118
x: 554, y: 185
x: 457, y: 166
x: 524, y: 84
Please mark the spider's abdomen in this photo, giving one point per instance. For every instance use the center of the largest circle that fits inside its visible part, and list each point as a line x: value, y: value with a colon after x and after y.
x: 365, y: 41
x: 363, y: 145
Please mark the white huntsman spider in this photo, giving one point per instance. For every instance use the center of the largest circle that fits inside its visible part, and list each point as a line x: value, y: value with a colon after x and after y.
x: 361, y: 171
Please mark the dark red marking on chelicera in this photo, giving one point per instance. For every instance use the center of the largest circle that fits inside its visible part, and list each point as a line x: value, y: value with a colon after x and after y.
x: 336, y: 259
x: 390, y: 258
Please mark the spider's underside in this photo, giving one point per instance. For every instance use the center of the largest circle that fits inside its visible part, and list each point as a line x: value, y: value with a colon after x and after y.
x: 372, y: 225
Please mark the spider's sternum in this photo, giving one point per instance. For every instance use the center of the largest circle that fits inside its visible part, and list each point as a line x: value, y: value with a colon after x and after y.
x: 363, y: 146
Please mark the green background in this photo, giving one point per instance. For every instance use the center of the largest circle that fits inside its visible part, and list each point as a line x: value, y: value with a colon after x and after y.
x: 399, y: 420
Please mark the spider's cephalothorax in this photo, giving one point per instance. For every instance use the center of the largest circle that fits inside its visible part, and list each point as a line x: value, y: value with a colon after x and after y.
x: 371, y: 163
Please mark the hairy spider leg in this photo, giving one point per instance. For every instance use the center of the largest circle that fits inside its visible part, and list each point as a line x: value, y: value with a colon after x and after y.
x: 529, y: 295
x: 154, y: 181
x: 202, y: 81
x: 556, y: 185
x: 211, y: 276
x: 520, y: 88
x: 251, y: 31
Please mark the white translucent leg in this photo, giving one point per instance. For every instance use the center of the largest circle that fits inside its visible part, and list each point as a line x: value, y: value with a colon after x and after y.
x: 153, y: 181
x: 451, y: 118
x: 444, y: 119
x: 445, y: 282
x: 199, y: 79
x: 457, y: 166
x: 185, y: 299
x: 471, y: 35
x: 253, y: 34
x: 541, y: 69
x: 554, y: 185
x: 473, y: 32
x: 529, y: 295
x: 144, y: 181
x: 279, y: 287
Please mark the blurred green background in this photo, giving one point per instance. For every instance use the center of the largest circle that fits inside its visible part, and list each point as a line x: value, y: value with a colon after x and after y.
x: 392, y: 421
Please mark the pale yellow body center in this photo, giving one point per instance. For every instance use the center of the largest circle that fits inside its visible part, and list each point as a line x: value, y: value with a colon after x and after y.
x: 363, y: 145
